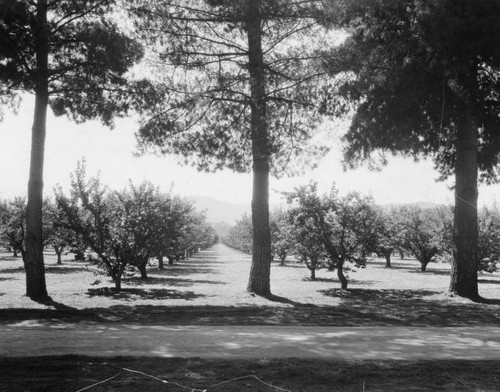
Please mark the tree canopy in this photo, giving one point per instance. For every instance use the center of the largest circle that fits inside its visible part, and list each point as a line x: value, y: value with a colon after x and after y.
x: 414, y: 67
x: 341, y: 225
x: 88, y: 56
x: 235, y: 86
x: 127, y: 228
x: 426, y: 80
x: 73, y: 57
x: 200, y: 106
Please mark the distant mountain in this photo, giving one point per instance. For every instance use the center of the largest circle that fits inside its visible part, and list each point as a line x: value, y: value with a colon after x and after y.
x: 222, y: 214
x: 220, y: 211
x: 222, y: 228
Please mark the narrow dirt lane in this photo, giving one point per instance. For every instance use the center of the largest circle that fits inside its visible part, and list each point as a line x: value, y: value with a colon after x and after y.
x: 342, y: 343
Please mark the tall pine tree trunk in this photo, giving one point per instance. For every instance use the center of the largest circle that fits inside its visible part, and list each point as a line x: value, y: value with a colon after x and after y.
x: 260, y: 271
x: 36, y: 287
x: 463, y: 280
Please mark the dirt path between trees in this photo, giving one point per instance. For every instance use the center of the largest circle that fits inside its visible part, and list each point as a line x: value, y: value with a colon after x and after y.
x: 31, y: 338
x: 199, y: 308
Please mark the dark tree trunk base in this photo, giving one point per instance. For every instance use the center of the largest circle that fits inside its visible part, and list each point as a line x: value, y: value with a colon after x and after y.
x: 143, y: 271
x: 342, y: 278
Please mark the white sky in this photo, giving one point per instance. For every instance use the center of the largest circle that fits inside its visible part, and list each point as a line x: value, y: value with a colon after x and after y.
x: 111, y: 154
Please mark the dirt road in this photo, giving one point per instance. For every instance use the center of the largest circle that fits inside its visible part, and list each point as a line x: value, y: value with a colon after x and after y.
x: 33, y: 338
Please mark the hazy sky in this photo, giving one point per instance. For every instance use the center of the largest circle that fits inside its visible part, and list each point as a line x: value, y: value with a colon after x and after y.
x: 111, y: 154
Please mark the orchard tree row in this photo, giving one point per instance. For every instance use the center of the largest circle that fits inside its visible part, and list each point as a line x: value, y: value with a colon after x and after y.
x: 247, y: 84
x: 55, y: 235
x: 339, y: 232
x: 121, y: 228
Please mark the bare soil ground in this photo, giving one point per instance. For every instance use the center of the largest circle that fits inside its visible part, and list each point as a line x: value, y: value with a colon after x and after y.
x: 209, y: 289
x: 72, y: 374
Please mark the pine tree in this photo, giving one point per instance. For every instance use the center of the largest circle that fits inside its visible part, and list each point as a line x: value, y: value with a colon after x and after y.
x: 426, y: 76
x: 72, y: 57
x: 235, y: 86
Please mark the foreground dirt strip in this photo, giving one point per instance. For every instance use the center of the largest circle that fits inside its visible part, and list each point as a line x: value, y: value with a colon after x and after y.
x: 76, y: 373
x: 356, y: 343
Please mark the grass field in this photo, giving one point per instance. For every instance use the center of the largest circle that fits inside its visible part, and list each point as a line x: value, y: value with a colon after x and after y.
x: 210, y: 289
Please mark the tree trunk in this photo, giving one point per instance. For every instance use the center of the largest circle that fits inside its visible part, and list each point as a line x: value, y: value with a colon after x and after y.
x: 260, y: 270
x: 142, y: 270
x: 59, y: 254
x: 423, y: 265
x: 401, y: 253
x: 36, y: 287
x: 170, y: 260
x: 160, y: 262
x: 15, y: 253
x: 116, y: 275
x: 463, y: 278
x: 341, y: 276
x: 118, y: 283
x: 282, y: 258
x: 387, y: 255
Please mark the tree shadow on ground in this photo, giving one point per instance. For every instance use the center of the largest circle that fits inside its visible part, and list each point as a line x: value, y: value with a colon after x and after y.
x: 335, y: 281
x: 284, y: 300
x: 56, y: 311
x: 48, y: 301
x: 368, y: 309
x: 199, y: 315
x: 322, y: 280
x: 169, y: 281
x: 489, y: 301
x: 288, y: 265
x: 358, y: 282
x: 15, y: 270
x: 128, y: 294
x: 357, y: 307
x: 11, y: 258
x: 430, y: 272
x: 50, y: 315
x: 184, y: 270
x: 409, y: 307
x: 413, y: 266
x: 488, y: 281
x: 64, y: 270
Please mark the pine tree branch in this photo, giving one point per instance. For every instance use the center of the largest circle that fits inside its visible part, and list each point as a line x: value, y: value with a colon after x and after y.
x: 69, y: 18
